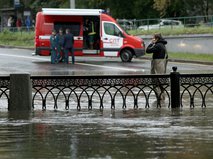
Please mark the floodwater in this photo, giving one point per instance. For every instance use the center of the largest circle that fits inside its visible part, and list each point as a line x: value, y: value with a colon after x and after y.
x: 154, y: 133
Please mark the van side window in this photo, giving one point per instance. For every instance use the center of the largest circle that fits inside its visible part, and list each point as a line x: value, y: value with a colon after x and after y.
x: 111, y: 29
x: 73, y: 26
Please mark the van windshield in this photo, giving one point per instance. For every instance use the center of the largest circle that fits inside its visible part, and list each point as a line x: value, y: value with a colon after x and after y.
x: 73, y: 26
x: 122, y: 28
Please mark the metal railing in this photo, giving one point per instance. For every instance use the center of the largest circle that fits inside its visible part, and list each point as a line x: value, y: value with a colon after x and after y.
x: 4, y: 90
x: 169, y: 23
x: 197, y: 89
x: 99, y: 91
x: 118, y: 92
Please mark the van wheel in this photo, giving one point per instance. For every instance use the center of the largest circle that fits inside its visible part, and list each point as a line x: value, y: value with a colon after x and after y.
x: 126, y: 55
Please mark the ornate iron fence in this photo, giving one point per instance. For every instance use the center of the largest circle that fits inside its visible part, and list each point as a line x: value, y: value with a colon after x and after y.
x: 4, y: 89
x: 137, y: 91
x: 197, y: 89
x: 99, y: 91
x: 117, y: 92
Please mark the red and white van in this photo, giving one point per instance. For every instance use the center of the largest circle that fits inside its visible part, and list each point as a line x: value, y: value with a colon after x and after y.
x: 110, y: 39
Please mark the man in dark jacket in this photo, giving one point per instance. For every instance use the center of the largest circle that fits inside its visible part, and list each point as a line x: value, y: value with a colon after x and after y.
x: 61, y: 43
x: 159, y: 61
x: 68, y: 46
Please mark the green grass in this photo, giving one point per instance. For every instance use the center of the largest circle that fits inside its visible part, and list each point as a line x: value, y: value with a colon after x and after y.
x: 188, y: 56
x: 23, y: 39
x: 175, y: 31
x: 191, y: 56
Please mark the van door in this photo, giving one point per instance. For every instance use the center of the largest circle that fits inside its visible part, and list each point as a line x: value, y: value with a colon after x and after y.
x: 112, y: 38
x: 91, y: 43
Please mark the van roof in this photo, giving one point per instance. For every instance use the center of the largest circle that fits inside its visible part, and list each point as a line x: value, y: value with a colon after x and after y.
x: 57, y: 11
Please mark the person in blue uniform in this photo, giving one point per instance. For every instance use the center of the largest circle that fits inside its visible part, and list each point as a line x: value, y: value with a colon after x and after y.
x: 54, y: 47
x: 68, y: 46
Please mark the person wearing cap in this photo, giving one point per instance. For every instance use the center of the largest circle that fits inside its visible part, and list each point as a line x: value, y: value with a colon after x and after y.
x: 54, y: 47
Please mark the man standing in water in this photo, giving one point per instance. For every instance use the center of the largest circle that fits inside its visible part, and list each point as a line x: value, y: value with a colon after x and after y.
x: 159, y: 60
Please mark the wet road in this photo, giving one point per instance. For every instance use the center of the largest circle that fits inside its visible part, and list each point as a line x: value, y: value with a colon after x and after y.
x: 201, y: 44
x: 22, y: 61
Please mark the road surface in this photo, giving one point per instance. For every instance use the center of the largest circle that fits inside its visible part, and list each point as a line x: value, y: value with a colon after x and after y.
x: 201, y: 44
x: 22, y: 61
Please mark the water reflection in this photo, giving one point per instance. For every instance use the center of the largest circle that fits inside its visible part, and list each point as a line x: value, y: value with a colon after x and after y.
x: 144, y: 133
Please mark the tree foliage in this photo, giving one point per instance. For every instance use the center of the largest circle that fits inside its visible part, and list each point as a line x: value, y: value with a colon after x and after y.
x: 161, y: 6
x: 144, y: 9
x: 139, y: 9
x: 197, y: 7
x: 36, y: 5
x: 6, y: 4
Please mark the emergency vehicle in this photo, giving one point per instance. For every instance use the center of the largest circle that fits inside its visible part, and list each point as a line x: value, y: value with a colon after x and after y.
x: 109, y: 38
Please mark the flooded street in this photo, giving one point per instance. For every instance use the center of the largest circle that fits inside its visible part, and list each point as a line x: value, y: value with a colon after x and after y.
x: 144, y: 133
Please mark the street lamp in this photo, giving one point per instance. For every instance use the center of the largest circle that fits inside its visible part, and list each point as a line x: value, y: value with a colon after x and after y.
x: 72, y: 4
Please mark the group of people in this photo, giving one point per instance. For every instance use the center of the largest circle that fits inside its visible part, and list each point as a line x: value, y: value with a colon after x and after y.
x: 61, y: 45
x: 14, y: 22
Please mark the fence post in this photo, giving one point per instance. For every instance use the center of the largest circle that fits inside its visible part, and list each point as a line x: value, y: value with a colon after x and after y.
x: 20, y: 92
x: 175, y: 88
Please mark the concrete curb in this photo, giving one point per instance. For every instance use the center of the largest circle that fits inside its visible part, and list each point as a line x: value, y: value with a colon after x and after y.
x: 16, y: 47
x: 147, y: 58
x: 179, y: 36
x: 184, y: 61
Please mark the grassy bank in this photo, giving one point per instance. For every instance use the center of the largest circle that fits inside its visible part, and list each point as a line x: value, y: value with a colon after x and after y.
x: 23, y: 39
x: 188, y: 56
x: 191, y: 56
x: 26, y: 39
x: 176, y: 31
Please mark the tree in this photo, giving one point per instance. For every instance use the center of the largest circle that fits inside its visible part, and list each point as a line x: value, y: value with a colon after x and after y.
x: 118, y: 8
x: 197, y: 7
x: 143, y: 9
x: 139, y: 9
x: 121, y: 8
x: 6, y: 4
x: 100, y: 4
x: 175, y: 8
x: 161, y: 6
x: 36, y: 5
